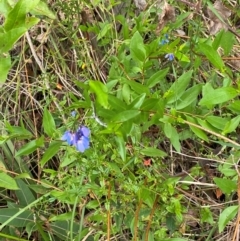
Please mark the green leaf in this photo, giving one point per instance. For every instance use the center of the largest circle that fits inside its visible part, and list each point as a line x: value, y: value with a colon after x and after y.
x: 188, y: 97
x: 5, y: 65
x: 67, y: 160
x: 231, y: 125
x: 42, y: 9
x: 173, y: 135
x: 5, y: 7
x: 203, y: 123
x: 138, y: 87
x: 62, y: 229
x: 212, y: 55
x: 8, y: 182
x: 126, y: 93
x: 178, y: 88
x: 121, y: 147
x: 48, y: 123
x: 31, y: 21
x: 116, y: 104
x: 206, y: 215
x: 20, y: 221
x: 40, y: 189
x: 30, y: 147
x: 16, y: 17
x: 125, y: 115
x: 24, y: 194
x: 63, y: 216
x: 227, y: 186
x: 18, y: 132
x: 137, y: 48
x: 201, y: 134
x: 9, y: 38
x: 157, y: 77
x: 217, y: 121
x: 147, y: 196
x: 152, y: 104
x: 137, y: 102
x: 171, y: 223
x: 234, y: 107
x: 224, y: 39
x: 104, y: 30
x: 100, y: 90
x: 113, y: 167
x: 227, y: 215
x: 218, y: 96
x: 50, y: 152
x: 153, y: 152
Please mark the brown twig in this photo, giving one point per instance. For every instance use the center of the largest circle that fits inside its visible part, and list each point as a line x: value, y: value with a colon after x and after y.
x: 150, y: 217
x: 135, y: 234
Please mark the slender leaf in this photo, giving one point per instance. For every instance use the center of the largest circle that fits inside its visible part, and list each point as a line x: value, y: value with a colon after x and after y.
x: 217, y: 121
x: 5, y: 65
x: 50, y: 152
x: 8, y: 182
x: 24, y: 194
x: 16, y: 17
x: 137, y: 48
x: 178, y: 88
x: 30, y: 147
x: 125, y: 115
x: 121, y: 147
x: 48, y: 123
x: 212, y: 55
x: 153, y: 152
x: 201, y: 134
x: 231, y: 125
x: 20, y: 221
x: 173, y: 135
x: 188, y: 97
x: 137, y: 102
x: 218, y: 96
x: 157, y: 77
x: 227, y: 215
x: 100, y: 90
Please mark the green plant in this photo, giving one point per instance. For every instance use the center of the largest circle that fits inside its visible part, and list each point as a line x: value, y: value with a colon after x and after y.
x: 147, y: 100
x: 16, y: 24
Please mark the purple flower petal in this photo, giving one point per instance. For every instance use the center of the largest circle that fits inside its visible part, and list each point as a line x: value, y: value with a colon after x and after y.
x: 169, y: 56
x: 68, y: 137
x: 82, y: 144
x: 85, y: 131
x: 85, y: 141
x: 79, y: 139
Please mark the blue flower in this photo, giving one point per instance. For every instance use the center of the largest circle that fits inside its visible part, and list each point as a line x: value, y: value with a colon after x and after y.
x: 68, y: 137
x: 79, y: 139
x: 73, y: 113
x: 169, y: 56
x: 164, y: 40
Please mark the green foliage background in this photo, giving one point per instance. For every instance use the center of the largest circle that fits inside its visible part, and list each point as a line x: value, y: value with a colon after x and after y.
x: 164, y: 134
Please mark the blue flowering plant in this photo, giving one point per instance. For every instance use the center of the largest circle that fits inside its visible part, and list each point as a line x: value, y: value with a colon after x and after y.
x: 79, y: 138
x: 165, y: 41
x: 169, y: 57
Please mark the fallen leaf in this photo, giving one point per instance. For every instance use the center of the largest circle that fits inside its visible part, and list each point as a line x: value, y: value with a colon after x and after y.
x: 216, y: 23
x: 167, y: 14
